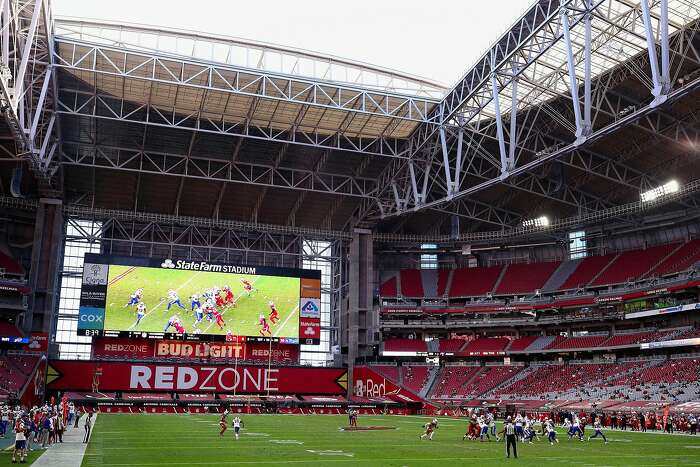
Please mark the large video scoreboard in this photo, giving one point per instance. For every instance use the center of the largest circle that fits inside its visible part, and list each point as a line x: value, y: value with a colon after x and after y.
x: 197, y: 300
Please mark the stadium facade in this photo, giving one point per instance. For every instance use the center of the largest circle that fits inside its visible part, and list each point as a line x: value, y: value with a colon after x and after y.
x: 524, y: 214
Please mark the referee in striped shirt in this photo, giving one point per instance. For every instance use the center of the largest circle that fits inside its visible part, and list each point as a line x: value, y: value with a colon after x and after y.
x: 509, y: 431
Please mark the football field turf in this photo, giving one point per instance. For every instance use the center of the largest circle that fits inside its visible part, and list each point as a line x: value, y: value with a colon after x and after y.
x: 241, y: 319
x: 154, y: 440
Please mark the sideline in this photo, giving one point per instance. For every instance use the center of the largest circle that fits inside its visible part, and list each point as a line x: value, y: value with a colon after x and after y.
x: 69, y: 453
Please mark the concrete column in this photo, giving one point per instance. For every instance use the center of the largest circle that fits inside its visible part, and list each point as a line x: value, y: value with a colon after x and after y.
x: 47, y: 252
x: 362, y: 323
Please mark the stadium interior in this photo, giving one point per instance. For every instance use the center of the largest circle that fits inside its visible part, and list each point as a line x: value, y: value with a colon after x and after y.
x: 527, y: 239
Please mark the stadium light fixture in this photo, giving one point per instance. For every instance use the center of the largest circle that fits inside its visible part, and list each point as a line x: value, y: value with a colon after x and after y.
x: 542, y: 221
x: 663, y: 190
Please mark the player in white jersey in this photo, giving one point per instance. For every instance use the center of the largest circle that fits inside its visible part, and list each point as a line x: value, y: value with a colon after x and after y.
x: 140, y: 313
x: 134, y: 298
x: 173, y: 299
x: 483, y: 428
x: 598, y: 427
x: 174, y: 319
x: 529, y: 431
x: 194, y: 301
x: 519, y: 433
x: 551, y: 432
x: 237, y: 424
x: 492, y: 425
x: 576, y: 429
x: 198, y: 314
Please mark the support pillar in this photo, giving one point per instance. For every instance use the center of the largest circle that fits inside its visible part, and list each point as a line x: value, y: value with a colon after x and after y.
x: 361, y: 321
x: 47, y: 252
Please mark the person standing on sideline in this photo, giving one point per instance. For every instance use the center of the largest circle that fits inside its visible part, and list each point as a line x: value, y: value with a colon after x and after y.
x: 71, y: 414
x: 509, y: 432
x: 78, y: 414
x: 88, y: 425
x: 693, y: 422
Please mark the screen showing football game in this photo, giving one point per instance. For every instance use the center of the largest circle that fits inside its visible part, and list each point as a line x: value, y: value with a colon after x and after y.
x: 197, y: 300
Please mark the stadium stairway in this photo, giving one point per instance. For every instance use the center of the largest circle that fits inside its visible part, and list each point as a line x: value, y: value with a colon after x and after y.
x: 542, y: 342
x: 662, y: 261
x: 434, y: 346
x: 603, y: 269
x: 500, y: 279
x: 429, y: 277
x: 432, y: 378
x: 448, y: 284
x: 560, y: 275
x: 683, y: 259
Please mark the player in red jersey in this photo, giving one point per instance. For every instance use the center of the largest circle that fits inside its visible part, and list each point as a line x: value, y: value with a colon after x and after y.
x: 274, y: 316
x: 219, y: 319
x: 229, y: 296
x: 265, y: 327
x: 430, y: 428
x: 179, y: 328
x: 219, y: 298
x: 222, y: 423
x: 247, y: 286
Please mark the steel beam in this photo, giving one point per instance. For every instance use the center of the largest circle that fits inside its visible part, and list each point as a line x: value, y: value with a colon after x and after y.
x: 77, y: 57
x: 80, y: 103
x: 178, y: 165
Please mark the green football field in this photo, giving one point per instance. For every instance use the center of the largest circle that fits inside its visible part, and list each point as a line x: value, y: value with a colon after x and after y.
x: 192, y: 440
x: 241, y: 319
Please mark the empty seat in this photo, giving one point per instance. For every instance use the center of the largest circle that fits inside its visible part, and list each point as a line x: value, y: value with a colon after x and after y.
x: 630, y: 265
x: 473, y: 282
x: 388, y: 288
x: 586, y: 271
x: 411, y: 283
x: 405, y: 345
x: 525, y: 278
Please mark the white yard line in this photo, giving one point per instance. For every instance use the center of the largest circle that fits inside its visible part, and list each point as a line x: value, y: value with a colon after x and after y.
x: 234, y: 302
x: 284, y: 323
x: 163, y: 301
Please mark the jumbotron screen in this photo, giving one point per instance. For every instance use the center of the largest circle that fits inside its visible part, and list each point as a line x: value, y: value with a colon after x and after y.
x: 197, y: 300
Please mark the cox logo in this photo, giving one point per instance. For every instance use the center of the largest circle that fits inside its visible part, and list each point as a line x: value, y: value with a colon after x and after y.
x: 91, y: 318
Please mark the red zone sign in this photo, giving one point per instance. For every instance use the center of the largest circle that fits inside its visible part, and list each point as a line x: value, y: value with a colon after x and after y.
x: 78, y: 376
x: 130, y: 348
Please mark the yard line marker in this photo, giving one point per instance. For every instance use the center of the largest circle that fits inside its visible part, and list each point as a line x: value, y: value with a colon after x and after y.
x: 284, y: 323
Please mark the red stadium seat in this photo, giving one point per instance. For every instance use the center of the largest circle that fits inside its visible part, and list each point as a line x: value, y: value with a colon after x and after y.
x: 411, y: 283
x: 451, y: 379
x: 474, y: 282
x: 443, y: 276
x: 405, y: 345
x: 586, y: 271
x: 388, y: 288
x: 486, y: 345
x: 680, y: 260
x: 630, y: 265
x: 451, y: 345
x: 525, y: 278
x: 522, y: 343
x: 414, y: 377
x: 10, y: 266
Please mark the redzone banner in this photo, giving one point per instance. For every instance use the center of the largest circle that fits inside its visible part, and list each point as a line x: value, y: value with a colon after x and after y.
x: 130, y: 348
x: 243, y: 379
